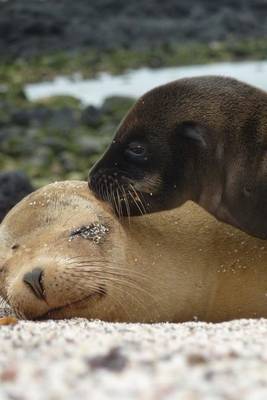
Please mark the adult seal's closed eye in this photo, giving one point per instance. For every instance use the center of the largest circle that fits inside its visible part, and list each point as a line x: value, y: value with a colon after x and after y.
x: 64, y: 254
x: 202, y: 139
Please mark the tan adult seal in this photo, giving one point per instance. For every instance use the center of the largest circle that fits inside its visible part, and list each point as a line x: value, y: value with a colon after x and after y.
x: 63, y: 253
x: 202, y: 139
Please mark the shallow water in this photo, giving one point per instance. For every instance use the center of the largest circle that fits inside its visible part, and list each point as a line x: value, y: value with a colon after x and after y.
x: 135, y: 83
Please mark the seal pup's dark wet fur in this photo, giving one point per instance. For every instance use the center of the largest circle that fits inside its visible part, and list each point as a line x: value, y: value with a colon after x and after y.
x: 202, y: 139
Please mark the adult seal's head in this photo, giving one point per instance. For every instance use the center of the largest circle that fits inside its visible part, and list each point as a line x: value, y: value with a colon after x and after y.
x: 63, y: 254
x: 202, y: 139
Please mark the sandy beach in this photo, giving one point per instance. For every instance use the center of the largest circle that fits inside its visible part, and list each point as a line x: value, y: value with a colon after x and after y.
x: 80, y: 359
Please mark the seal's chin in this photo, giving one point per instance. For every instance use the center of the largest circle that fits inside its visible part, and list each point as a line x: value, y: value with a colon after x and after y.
x: 78, y: 308
x: 120, y: 192
x: 26, y: 305
x: 131, y: 203
x: 75, y: 307
x: 129, y: 194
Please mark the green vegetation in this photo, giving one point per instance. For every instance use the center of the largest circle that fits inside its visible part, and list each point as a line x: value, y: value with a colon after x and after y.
x: 89, y: 63
x: 56, y: 139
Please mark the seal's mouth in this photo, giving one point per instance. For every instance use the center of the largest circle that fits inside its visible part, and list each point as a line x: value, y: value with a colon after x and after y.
x: 120, y: 192
x: 58, y: 312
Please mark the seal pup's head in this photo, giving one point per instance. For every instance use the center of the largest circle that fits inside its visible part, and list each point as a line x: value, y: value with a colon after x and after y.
x: 150, y: 165
x: 61, y: 255
x: 201, y: 139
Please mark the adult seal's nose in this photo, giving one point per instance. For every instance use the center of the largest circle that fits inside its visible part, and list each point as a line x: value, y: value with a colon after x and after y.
x: 34, y: 280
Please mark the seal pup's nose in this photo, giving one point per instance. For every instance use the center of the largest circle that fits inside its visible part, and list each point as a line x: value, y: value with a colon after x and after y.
x: 34, y: 280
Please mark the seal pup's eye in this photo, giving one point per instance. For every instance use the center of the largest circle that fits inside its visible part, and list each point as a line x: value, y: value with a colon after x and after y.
x: 136, y: 152
x: 94, y: 232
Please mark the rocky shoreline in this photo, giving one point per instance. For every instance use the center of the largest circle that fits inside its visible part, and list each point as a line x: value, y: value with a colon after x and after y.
x: 54, y: 140
x: 30, y: 28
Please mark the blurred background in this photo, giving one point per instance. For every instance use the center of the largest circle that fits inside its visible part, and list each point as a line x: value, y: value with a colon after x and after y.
x: 70, y: 70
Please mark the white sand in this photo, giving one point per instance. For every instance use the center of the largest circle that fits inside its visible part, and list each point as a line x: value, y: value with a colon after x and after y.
x: 79, y: 359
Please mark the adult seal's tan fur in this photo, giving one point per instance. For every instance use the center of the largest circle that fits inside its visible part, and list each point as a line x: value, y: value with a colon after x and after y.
x: 202, y: 139
x: 63, y: 253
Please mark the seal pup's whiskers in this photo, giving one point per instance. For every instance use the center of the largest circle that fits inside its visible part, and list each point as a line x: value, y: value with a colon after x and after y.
x: 108, y: 265
x: 137, y: 194
x: 126, y: 202
x: 114, y: 203
x: 2, y: 302
x: 109, y: 270
x: 136, y: 199
x: 101, y: 191
x: 119, y: 202
x: 106, y: 277
x: 135, y: 202
x: 125, y: 282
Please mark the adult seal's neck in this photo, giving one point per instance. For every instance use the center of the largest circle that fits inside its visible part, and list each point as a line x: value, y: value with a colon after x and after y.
x: 195, y: 283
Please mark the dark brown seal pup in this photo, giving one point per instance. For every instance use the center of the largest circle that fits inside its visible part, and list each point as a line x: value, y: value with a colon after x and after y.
x: 202, y: 139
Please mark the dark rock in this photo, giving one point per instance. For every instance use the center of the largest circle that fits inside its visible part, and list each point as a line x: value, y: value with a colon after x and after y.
x: 117, y: 106
x: 92, y: 116
x: 54, y: 142
x: 113, y: 361
x: 41, y: 157
x: 29, y: 28
x: 88, y: 145
x: 108, y: 128
x: 40, y: 115
x: 36, y: 116
x: 61, y: 119
x: 21, y: 117
x: 13, y: 187
x: 17, y: 141
x: 67, y: 160
x: 4, y: 135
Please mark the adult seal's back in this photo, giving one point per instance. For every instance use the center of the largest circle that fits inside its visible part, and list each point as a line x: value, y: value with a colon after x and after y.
x: 202, y: 139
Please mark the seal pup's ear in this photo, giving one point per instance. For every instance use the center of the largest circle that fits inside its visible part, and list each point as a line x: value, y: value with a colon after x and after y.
x: 192, y: 131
